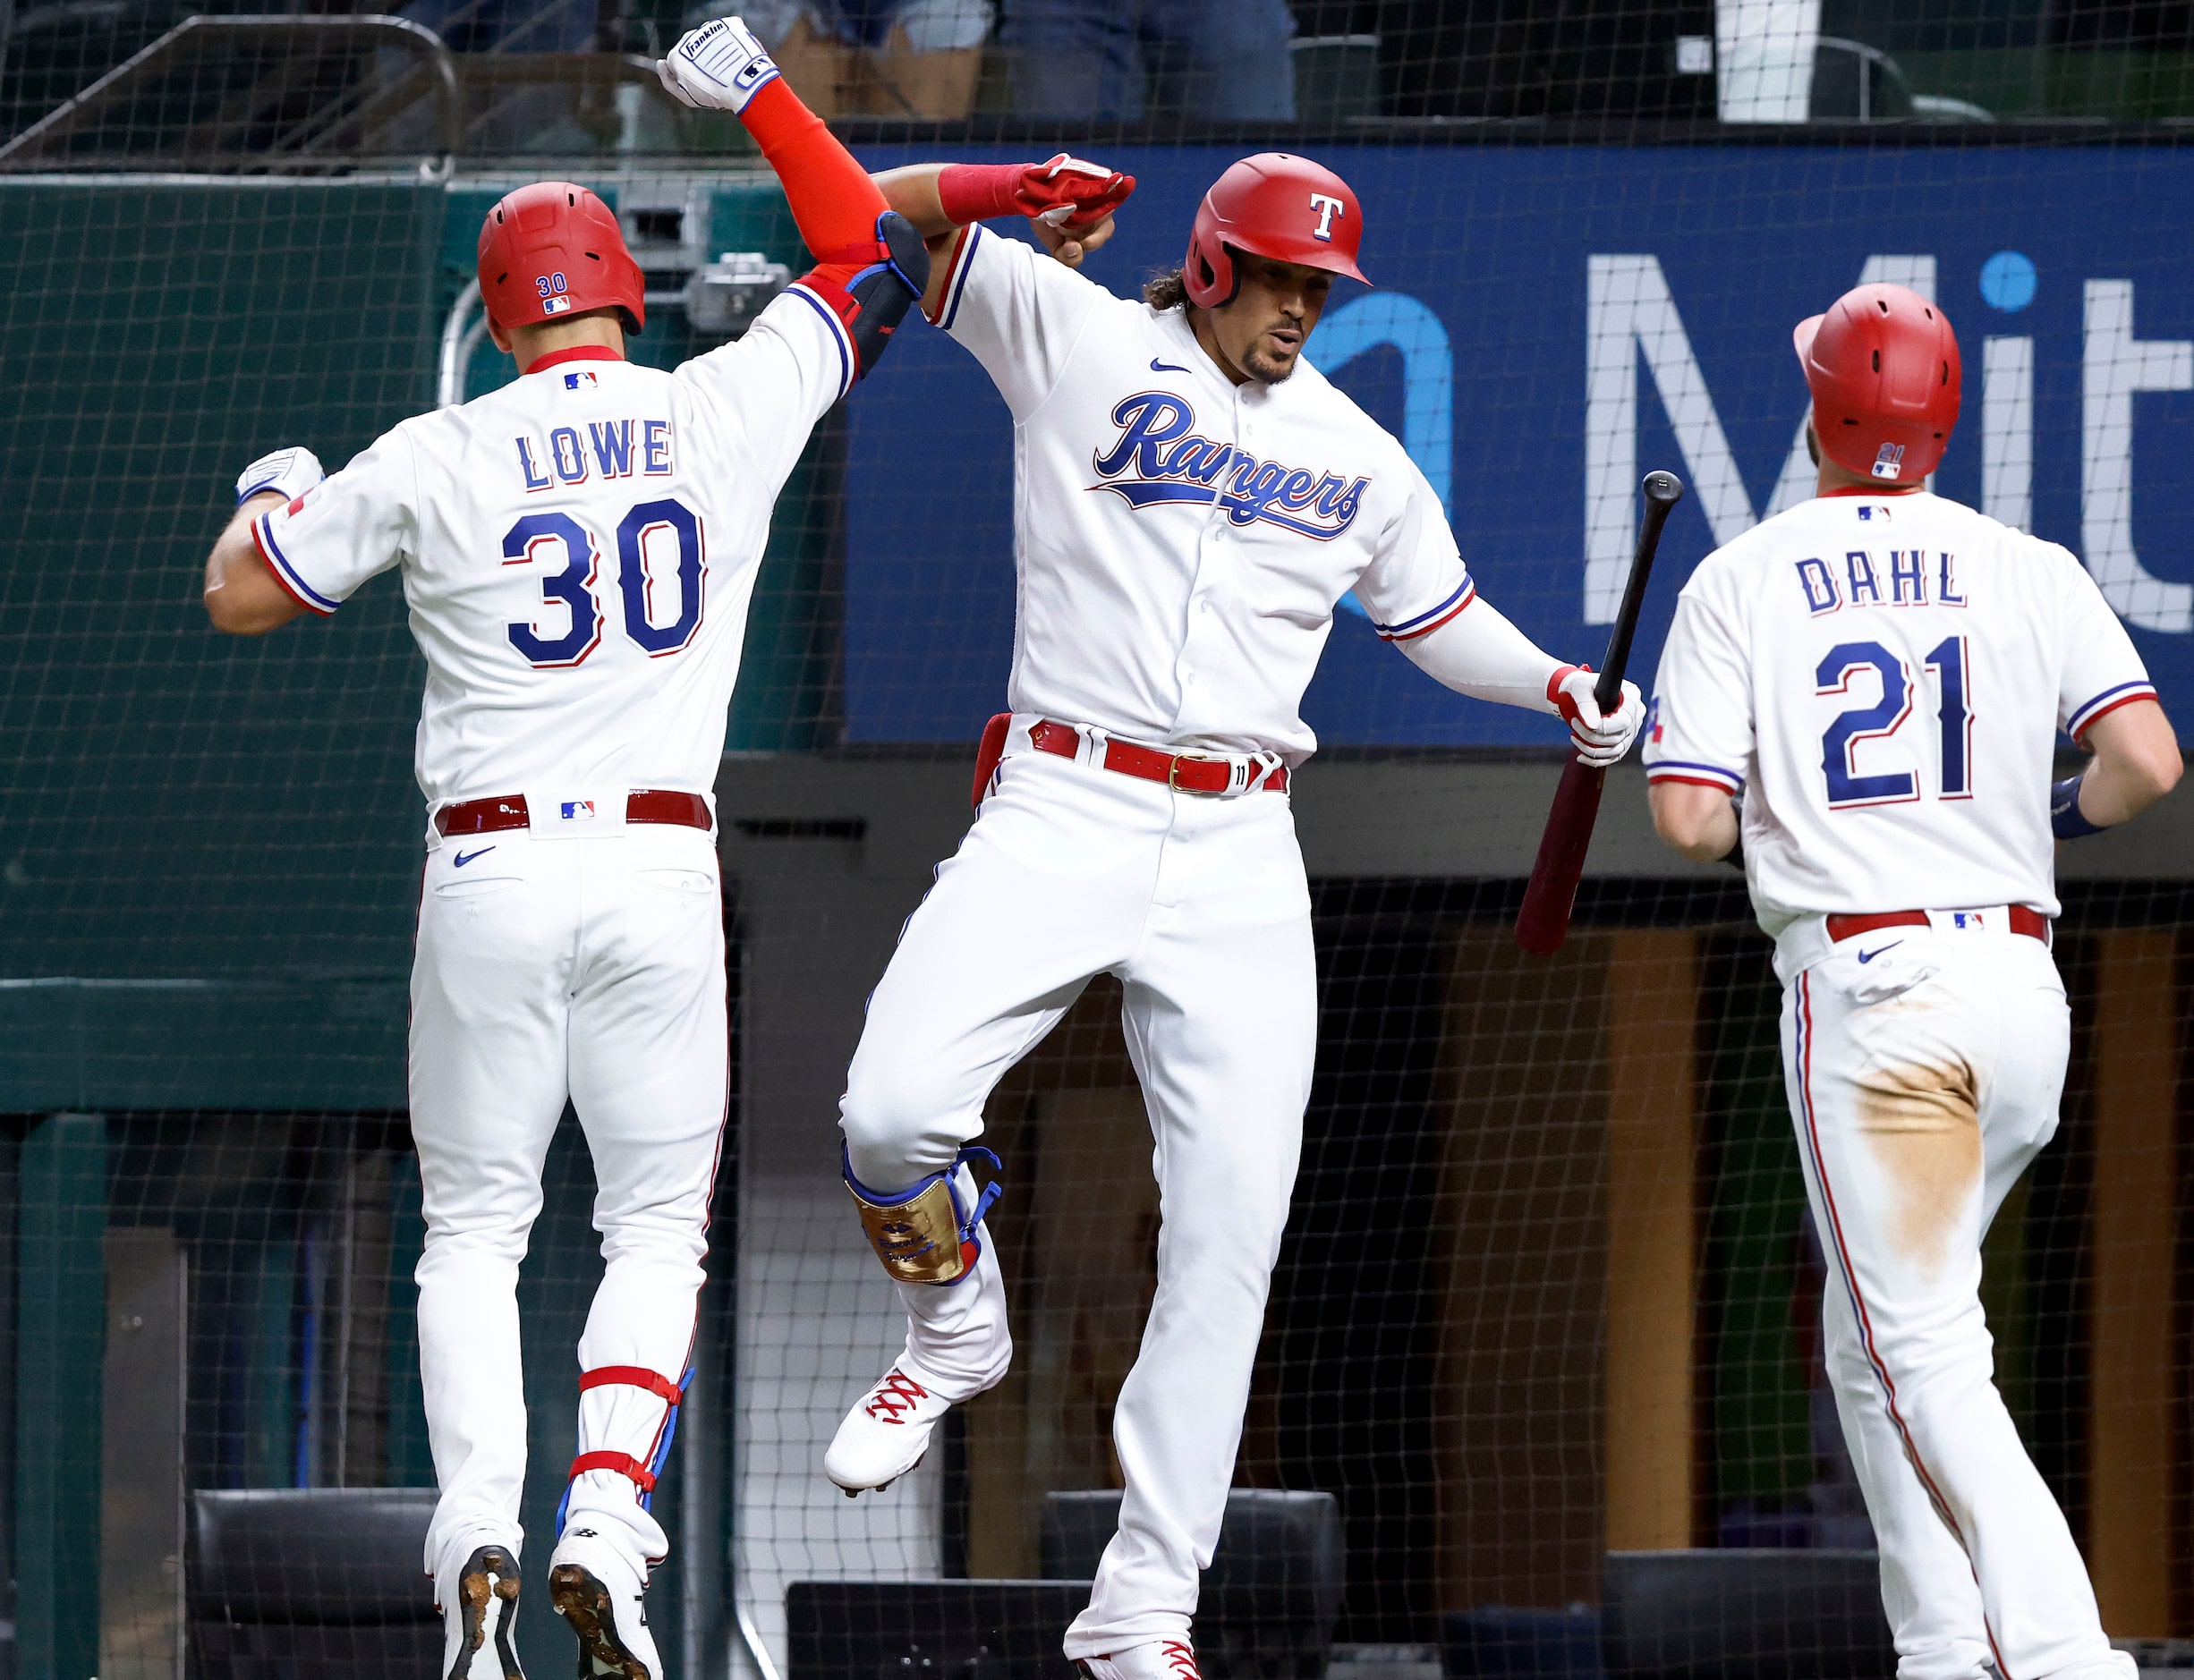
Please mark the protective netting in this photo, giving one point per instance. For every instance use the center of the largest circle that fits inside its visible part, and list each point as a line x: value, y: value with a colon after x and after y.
x: 567, y: 78
x: 1549, y: 1291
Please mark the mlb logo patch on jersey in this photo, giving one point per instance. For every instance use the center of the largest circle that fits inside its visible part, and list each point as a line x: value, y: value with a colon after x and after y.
x: 1869, y: 513
x: 579, y: 380
x: 578, y: 811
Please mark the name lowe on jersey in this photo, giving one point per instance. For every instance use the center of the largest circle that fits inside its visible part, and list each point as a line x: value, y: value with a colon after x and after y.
x: 561, y: 538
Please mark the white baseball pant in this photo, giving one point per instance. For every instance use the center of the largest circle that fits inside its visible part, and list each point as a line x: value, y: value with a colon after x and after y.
x: 1923, y: 1066
x: 547, y: 969
x: 1199, y: 905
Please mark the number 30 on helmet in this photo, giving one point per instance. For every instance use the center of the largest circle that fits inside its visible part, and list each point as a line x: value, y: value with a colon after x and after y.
x: 554, y: 249
x: 1273, y: 205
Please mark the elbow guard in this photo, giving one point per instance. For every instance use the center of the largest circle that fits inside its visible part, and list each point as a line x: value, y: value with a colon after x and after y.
x: 872, y: 285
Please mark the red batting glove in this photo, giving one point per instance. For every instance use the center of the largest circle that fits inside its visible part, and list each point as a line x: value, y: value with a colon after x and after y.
x: 1600, y: 740
x: 1562, y: 699
x: 1066, y: 191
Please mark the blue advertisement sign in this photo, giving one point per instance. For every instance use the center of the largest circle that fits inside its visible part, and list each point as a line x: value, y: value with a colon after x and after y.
x: 1551, y: 323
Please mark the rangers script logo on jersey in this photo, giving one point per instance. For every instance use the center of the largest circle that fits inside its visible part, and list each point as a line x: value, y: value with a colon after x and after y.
x: 1158, y: 457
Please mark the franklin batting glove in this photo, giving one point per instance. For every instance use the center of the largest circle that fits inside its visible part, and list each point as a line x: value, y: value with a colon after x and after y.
x: 717, y: 67
x: 288, y: 472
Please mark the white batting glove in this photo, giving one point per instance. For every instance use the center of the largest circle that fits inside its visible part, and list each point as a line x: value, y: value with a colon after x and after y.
x: 716, y: 67
x: 289, y: 473
x: 1600, y: 740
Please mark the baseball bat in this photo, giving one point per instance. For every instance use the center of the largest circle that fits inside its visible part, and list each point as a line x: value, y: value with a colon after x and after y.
x: 1544, y: 922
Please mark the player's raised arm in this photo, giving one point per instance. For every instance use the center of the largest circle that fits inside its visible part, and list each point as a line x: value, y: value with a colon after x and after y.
x: 871, y: 262
x: 244, y: 597
x: 1069, y: 200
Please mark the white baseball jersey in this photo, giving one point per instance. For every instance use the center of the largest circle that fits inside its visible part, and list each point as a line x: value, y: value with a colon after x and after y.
x: 1181, y: 540
x: 578, y: 550
x: 1883, y: 677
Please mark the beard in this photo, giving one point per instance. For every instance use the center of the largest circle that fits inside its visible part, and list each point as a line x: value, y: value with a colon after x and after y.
x: 1265, y: 368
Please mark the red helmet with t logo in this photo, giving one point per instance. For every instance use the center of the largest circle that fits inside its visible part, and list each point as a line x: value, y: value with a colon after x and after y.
x: 1273, y: 205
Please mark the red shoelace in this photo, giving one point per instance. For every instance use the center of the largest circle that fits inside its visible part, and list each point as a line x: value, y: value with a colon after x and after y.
x: 898, y: 1393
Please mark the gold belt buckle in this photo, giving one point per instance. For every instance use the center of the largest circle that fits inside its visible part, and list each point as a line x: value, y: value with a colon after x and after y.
x: 1173, y: 773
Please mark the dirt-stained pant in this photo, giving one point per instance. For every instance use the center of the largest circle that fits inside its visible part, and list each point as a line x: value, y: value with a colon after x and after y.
x: 1199, y: 907
x: 1923, y: 1066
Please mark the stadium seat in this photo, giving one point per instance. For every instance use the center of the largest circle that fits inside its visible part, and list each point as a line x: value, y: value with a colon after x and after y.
x: 930, y: 1630
x: 1499, y: 1641
x: 1745, y: 1615
x: 1272, y: 1594
x: 320, y: 1581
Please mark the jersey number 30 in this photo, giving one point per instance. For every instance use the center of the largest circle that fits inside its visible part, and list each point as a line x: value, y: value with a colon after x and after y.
x: 1839, y: 745
x: 649, y: 530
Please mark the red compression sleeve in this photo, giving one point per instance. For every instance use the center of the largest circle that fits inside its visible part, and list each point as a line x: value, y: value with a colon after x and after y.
x: 976, y: 192
x: 833, y: 199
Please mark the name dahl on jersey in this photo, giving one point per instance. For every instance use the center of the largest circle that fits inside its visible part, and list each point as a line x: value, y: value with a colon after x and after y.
x: 606, y: 449
x: 1907, y: 577
x: 1159, y: 459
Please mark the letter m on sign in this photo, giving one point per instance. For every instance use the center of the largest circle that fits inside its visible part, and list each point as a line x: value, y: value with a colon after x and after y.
x: 1629, y: 315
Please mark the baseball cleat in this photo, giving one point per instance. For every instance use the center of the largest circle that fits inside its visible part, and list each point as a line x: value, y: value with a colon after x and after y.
x: 1159, y: 1660
x: 602, y: 1596
x: 478, y: 1611
x: 884, y: 1435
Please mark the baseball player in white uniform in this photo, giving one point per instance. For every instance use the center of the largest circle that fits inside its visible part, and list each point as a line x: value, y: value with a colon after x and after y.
x: 1192, y: 500
x: 1881, y: 674
x: 578, y: 550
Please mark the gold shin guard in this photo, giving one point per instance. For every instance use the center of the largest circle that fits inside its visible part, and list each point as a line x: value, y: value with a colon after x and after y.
x: 918, y: 1239
x: 924, y: 1236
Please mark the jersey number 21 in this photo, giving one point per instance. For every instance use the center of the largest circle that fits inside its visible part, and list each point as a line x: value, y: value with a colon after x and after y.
x: 1839, y: 743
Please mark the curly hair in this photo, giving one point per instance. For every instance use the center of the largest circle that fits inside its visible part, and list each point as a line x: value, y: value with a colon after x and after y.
x: 1168, y: 291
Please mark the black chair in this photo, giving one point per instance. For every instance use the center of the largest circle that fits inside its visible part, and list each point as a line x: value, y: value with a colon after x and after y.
x: 930, y: 1630
x: 1499, y: 1642
x: 1745, y: 1615
x: 322, y: 1581
x: 1272, y: 1595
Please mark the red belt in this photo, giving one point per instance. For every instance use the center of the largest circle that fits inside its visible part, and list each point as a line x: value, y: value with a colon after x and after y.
x: 1183, y: 772
x: 642, y: 805
x: 2030, y: 922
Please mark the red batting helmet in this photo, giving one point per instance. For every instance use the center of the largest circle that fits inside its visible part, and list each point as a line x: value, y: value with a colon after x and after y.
x: 554, y: 249
x: 1883, y: 366
x: 1273, y: 205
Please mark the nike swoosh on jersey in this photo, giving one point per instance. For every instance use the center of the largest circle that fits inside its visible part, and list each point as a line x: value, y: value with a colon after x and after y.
x: 463, y: 857
x: 1165, y: 367
x: 1868, y: 957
